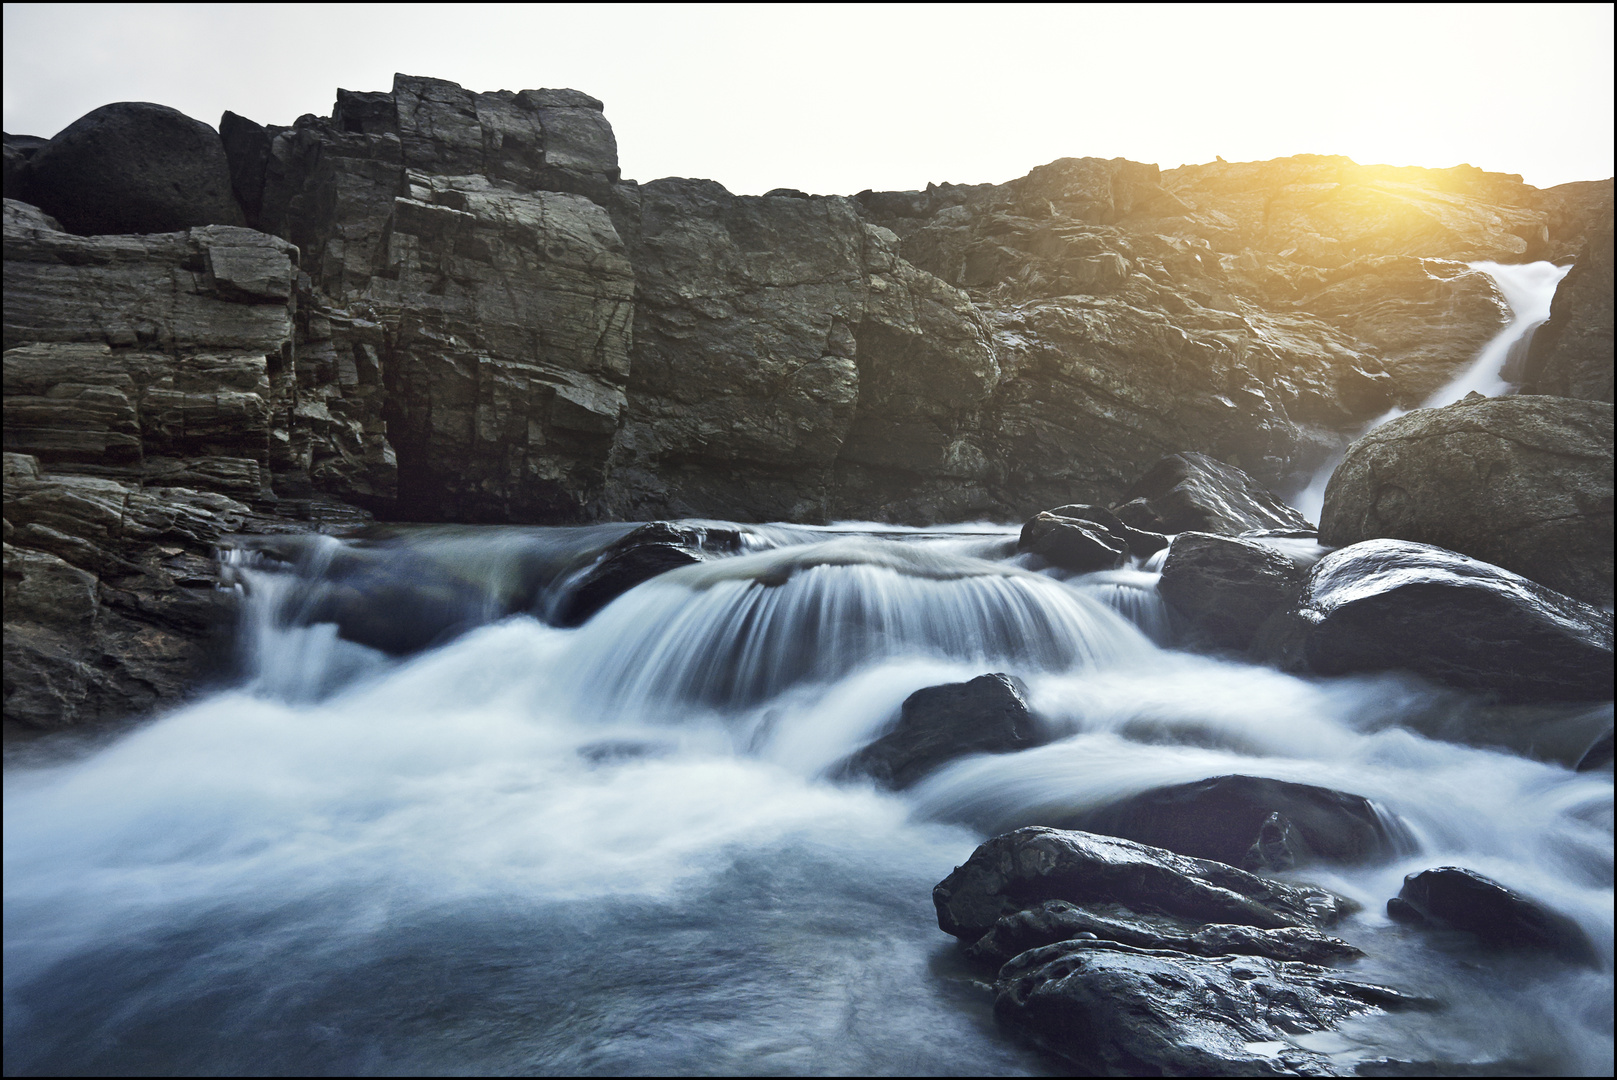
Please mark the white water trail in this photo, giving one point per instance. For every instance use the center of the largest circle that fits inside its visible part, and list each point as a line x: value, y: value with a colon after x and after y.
x: 1528, y: 289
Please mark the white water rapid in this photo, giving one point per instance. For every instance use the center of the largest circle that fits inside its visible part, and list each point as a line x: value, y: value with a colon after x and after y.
x: 1528, y: 289
x: 620, y: 848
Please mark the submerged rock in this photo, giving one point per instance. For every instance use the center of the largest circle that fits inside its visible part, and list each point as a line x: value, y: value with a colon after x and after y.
x: 648, y: 551
x: 1113, y: 1009
x: 1255, y: 823
x: 988, y: 715
x: 1225, y: 587
x: 1393, y: 605
x: 1461, y: 899
x: 1521, y: 482
x: 1024, y: 868
x: 134, y: 167
x: 1195, y: 493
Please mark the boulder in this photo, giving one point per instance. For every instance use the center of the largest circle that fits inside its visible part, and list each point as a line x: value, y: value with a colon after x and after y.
x: 1255, y: 823
x: 1225, y: 587
x: 1110, y: 1009
x: 1456, y: 898
x: 1024, y: 868
x: 1058, y: 920
x: 1072, y: 543
x: 1142, y: 543
x: 134, y: 167
x: 988, y: 715
x: 19, y: 150
x: 1521, y: 482
x: 1385, y: 605
x: 649, y: 550
x: 1192, y: 492
x: 1571, y: 354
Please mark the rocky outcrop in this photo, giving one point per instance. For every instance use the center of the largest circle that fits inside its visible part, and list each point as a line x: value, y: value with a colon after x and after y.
x: 988, y: 715
x: 1451, y: 897
x: 1254, y: 822
x: 1571, y: 354
x: 132, y: 167
x: 1522, y: 482
x: 1225, y: 587
x: 1385, y: 605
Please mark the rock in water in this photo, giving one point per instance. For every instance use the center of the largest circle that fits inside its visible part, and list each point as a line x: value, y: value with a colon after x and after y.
x: 1193, y: 492
x: 988, y: 715
x: 1571, y: 354
x: 1226, y: 587
x: 1112, y: 1009
x: 1389, y: 604
x: 1225, y: 818
x: 134, y: 167
x: 643, y: 554
x: 1024, y: 868
x: 1452, y: 896
x: 1521, y: 482
x: 1072, y: 543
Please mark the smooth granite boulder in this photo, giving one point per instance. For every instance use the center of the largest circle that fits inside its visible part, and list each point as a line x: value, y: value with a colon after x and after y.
x: 1521, y: 482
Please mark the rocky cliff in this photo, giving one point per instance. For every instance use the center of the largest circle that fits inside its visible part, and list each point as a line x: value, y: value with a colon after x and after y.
x: 448, y: 305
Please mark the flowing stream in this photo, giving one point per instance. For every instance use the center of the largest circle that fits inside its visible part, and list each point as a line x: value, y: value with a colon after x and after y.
x: 1528, y: 289
x: 619, y: 849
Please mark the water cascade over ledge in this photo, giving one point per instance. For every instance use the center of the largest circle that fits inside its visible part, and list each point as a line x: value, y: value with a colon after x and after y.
x: 625, y: 848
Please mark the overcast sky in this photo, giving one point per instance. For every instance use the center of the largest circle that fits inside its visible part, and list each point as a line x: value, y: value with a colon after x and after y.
x: 834, y: 99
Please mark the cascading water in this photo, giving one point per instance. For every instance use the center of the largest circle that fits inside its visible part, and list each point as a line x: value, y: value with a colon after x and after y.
x: 620, y: 848
x: 1528, y: 289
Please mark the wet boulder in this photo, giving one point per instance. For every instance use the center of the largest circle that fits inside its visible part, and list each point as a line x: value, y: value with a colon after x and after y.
x: 1112, y: 1009
x: 1386, y: 605
x: 1026, y: 867
x: 1140, y: 542
x: 1255, y: 823
x: 1598, y: 756
x: 988, y: 715
x: 652, y: 549
x: 1521, y: 482
x: 1192, y: 492
x: 1451, y: 897
x: 1072, y: 543
x: 1225, y: 587
x: 134, y: 167
x: 1058, y: 920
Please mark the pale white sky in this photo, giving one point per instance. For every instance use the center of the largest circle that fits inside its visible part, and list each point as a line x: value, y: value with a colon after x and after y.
x: 833, y: 99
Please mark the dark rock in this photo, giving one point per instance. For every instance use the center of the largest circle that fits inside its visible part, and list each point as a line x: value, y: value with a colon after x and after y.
x: 1058, y: 920
x: 1571, y: 354
x: 1453, y: 897
x: 1024, y: 868
x: 1387, y: 605
x: 1195, y: 493
x: 1254, y: 822
x: 1072, y: 544
x: 648, y: 551
x: 1225, y: 587
x: 988, y: 715
x: 1521, y: 482
x: 1111, y: 1009
x: 134, y: 167
x: 19, y: 150
x: 1141, y: 542
x: 1598, y: 756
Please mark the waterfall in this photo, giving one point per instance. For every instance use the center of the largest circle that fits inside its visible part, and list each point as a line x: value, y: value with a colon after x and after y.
x: 1528, y: 289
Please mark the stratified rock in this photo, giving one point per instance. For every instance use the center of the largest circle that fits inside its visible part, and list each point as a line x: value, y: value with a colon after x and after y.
x: 1058, y: 920
x: 1024, y: 868
x: 1521, y: 482
x: 1571, y: 354
x: 648, y: 551
x: 1226, y: 587
x: 988, y: 715
x: 1233, y: 819
x: 1111, y: 1009
x: 1195, y: 493
x: 1386, y: 605
x: 1072, y: 543
x: 1451, y: 896
x: 134, y: 167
